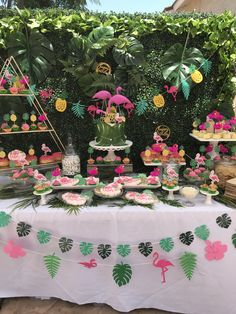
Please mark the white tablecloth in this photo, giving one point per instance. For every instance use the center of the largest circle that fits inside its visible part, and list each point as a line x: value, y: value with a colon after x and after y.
x: 211, y: 289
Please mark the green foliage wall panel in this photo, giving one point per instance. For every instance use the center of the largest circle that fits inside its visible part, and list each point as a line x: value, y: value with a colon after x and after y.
x: 157, y: 33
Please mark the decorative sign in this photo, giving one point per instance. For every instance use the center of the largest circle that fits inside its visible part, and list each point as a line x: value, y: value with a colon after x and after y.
x: 163, y: 131
x: 103, y: 68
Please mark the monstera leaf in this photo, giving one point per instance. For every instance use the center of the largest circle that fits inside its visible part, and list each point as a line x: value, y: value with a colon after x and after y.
x: 34, y: 53
x: 128, y: 51
x: 90, y: 83
x: 101, y: 38
x: 177, y: 61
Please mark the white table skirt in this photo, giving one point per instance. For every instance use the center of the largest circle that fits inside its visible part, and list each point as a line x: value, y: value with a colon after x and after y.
x: 211, y: 289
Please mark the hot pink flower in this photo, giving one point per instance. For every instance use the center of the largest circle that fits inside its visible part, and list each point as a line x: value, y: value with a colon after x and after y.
x: 215, y: 115
x: 120, y: 169
x: 209, y: 148
x: 13, y: 250
x: 42, y: 117
x: 223, y: 149
x: 227, y: 127
x: 218, y: 126
x: 2, y: 81
x: 46, y: 94
x: 24, y: 80
x: 233, y: 120
x: 202, y: 126
x: 156, y: 172
x: 93, y: 171
x: 56, y: 172
x: 215, y: 250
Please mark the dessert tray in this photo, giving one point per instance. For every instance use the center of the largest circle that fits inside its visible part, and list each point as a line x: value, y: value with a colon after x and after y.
x: 71, y: 184
x: 141, y: 185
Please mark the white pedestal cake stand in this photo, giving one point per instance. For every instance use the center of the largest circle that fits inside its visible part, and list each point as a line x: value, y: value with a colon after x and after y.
x: 111, y: 156
x: 214, y: 143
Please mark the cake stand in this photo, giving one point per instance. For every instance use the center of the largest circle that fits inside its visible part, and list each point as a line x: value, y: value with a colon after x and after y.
x: 111, y: 156
x: 213, y: 142
x: 209, y: 197
x: 43, y: 200
x: 171, y: 196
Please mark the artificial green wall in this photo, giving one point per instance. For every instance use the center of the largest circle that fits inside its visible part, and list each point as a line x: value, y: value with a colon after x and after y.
x: 213, y: 35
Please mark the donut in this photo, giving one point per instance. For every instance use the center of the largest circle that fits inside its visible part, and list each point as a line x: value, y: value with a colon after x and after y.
x: 46, y: 159
x: 57, y: 156
x: 31, y: 158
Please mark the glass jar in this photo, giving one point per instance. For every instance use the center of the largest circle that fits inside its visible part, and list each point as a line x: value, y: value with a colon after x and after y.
x: 71, y: 160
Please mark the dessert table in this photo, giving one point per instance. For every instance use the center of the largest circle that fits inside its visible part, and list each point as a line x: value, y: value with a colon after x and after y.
x: 128, y: 235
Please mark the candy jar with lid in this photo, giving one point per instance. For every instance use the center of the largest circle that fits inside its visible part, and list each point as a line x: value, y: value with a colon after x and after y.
x: 71, y: 160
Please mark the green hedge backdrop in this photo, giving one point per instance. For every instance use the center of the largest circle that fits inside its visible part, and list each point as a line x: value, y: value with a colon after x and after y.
x: 157, y: 32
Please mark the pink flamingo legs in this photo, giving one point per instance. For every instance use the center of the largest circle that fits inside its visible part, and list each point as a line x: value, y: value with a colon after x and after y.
x: 162, y: 264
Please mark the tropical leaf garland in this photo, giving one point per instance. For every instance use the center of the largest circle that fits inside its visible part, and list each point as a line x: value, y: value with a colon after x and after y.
x: 185, y: 88
x: 167, y: 244
x: 65, y: 244
x: 188, y: 262
x: 122, y: 274
x: 104, y: 250
x: 206, y: 66
x: 145, y: 248
x: 233, y: 238
x: 5, y: 219
x: 23, y: 229
x: 186, y: 238
x: 43, y: 236
x: 52, y: 263
x: 86, y: 248
x: 202, y: 232
x: 141, y: 107
x: 123, y: 249
x: 223, y: 221
x: 78, y: 109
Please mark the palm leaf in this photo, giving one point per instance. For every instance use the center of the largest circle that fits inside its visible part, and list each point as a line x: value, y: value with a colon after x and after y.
x: 188, y: 262
x: 233, y: 238
x: 78, y: 109
x: 177, y: 61
x: 167, y: 244
x: 122, y: 274
x: 33, y: 51
x: 206, y: 66
x: 185, y: 88
x: 52, y: 263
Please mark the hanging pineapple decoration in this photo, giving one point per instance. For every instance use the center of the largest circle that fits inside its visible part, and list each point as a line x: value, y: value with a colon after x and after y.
x: 196, y: 75
x: 159, y: 101
x: 61, y: 105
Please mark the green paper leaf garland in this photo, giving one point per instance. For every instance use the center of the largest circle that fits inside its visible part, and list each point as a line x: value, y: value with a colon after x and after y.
x: 122, y: 274
x: 234, y: 239
x: 43, y: 236
x: 206, y: 66
x: 186, y: 238
x: 223, y: 221
x: 78, y: 109
x: 52, y: 263
x: 188, y: 262
x: 145, y: 248
x: 65, y: 244
x: 86, y: 248
x: 185, y: 89
x: 202, y: 232
x: 104, y: 250
x: 141, y: 107
x: 23, y: 229
x: 167, y: 244
x: 123, y: 249
x: 5, y: 219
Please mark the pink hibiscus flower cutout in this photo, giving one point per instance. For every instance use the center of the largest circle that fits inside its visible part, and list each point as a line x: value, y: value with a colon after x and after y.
x: 215, y: 250
x: 13, y: 250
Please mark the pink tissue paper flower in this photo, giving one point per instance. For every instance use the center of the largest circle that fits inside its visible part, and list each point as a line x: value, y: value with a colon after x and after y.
x: 156, y: 172
x: 14, y: 251
x: 215, y: 250
x: 56, y: 172
x: 218, y: 126
x: 215, y: 115
x: 202, y: 126
x: 209, y: 148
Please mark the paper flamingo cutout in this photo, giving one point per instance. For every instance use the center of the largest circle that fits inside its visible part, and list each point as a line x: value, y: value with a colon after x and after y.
x: 92, y: 110
x: 118, y: 99
x: 173, y: 90
x: 93, y: 171
x: 92, y: 263
x: 103, y: 95
x: 162, y: 264
x: 14, y: 251
x: 215, y: 250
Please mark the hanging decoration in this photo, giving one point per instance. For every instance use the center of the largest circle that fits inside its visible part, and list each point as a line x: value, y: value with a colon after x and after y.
x: 145, y: 248
x: 91, y: 264
x: 162, y: 264
x: 159, y: 101
x: 122, y: 274
x: 52, y: 263
x: 78, y: 109
x: 186, y: 238
x: 167, y: 244
x: 104, y: 250
x: 13, y: 250
x: 43, y: 236
x: 123, y: 250
x: 173, y: 90
x: 196, y: 75
x: 61, y: 105
x: 223, y: 221
x: 185, y: 89
x: 206, y: 66
x: 215, y: 250
x: 188, y: 262
x: 23, y: 229
x: 163, y: 131
x: 233, y: 238
x: 103, y: 68
x: 86, y: 248
x: 202, y: 232
x: 65, y: 244
x: 5, y: 219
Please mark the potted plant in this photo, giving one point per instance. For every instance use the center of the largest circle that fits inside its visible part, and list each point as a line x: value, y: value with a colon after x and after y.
x: 33, y: 119
x: 13, y: 118
x: 5, y: 126
x: 42, y: 122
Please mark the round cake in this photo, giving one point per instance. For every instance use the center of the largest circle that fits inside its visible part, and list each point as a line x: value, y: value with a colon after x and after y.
x: 109, y: 191
x: 74, y: 199
x: 110, y: 134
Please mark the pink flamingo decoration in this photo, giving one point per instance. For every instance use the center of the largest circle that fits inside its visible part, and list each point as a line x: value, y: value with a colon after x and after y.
x: 92, y: 110
x: 120, y: 169
x: 200, y: 159
x: 173, y: 90
x: 157, y: 137
x: 161, y: 263
x: 45, y: 149
x: 118, y: 99
x: 93, y: 171
x: 129, y: 107
x: 103, y: 95
x: 92, y: 263
x: 213, y: 177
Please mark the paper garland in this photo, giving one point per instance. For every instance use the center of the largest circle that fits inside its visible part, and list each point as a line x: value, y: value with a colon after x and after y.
x: 122, y: 272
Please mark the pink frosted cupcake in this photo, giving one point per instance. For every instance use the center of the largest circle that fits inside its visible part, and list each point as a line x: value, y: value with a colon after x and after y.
x: 99, y: 160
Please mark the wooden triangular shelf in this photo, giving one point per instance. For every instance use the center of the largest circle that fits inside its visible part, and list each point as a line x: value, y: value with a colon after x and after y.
x: 11, y: 63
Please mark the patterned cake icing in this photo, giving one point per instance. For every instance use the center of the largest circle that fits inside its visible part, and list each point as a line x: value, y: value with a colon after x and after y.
x: 110, y: 134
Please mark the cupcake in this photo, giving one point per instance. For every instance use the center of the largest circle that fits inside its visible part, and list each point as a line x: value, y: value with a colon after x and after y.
x: 13, y: 90
x: 15, y: 127
x: 217, y: 135
x: 25, y: 127
x: 32, y: 159
x: 208, y: 135
x: 233, y: 135
x: 4, y: 162
x: 5, y: 127
x: 57, y: 156
x: 99, y: 160
x: 226, y: 135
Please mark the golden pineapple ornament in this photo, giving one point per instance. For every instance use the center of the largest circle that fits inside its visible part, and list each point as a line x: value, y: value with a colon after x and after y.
x: 61, y: 105
x: 159, y: 101
x: 196, y: 75
x: 31, y: 151
x: 2, y: 153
